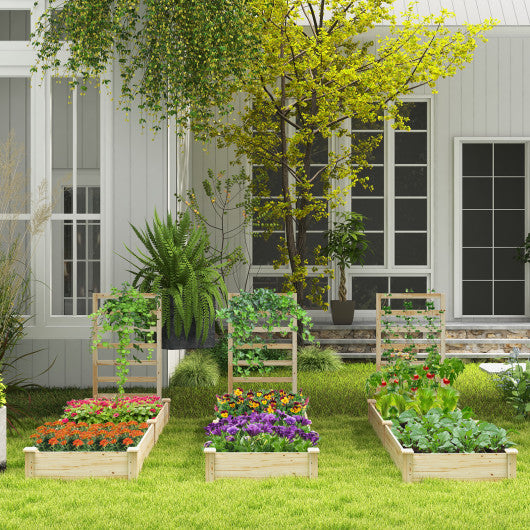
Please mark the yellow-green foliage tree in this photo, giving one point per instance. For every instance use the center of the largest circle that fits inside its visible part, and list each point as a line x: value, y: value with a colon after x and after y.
x: 320, y: 66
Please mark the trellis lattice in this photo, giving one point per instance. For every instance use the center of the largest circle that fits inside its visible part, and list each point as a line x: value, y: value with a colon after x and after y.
x: 409, y: 332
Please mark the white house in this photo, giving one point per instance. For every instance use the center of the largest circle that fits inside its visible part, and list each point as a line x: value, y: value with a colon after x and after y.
x: 450, y: 203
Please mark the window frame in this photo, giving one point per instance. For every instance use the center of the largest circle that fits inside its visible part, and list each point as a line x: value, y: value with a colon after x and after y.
x: 458, y: 143
x: 390, y: 269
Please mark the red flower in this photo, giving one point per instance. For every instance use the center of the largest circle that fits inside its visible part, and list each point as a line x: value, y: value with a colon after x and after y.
x: 416, y: 377
x: 396, y: 381
x: 383, y: 383
x: 413, y: 389
x: 430, y: 376
x: 445, y: 381
x: 426, y: 368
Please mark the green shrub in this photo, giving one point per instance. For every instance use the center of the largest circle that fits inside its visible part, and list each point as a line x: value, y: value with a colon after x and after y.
x: 316, y: 359
x: 197, y: 370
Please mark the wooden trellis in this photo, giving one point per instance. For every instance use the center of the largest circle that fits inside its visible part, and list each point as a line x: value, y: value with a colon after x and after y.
x: 157, y: 346
x: 292, y: 345
x: 402, y: 342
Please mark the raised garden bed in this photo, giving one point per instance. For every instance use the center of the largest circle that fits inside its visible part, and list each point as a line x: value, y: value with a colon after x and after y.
x: 260, y: 465
x: 457, y: 466
x: 101, y: 464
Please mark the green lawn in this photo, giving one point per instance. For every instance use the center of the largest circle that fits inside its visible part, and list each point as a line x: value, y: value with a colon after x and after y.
x: 358, y: 485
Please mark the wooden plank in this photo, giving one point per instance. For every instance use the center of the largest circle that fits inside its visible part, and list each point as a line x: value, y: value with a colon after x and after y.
x: 413, y: 312
x: 282, y: 362
x: 110, y: 362
x: 313, y: 461
x: 260, y: 465
x: 279, y: 329
x: 114, y: 345
x: 405, y: 296
x: 269, y: 345
x: 114, y: 379
x: 262, y: 379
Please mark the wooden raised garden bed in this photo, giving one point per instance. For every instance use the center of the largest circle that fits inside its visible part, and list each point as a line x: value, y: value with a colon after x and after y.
x: 101, y: 464
x: 457, y: 466
x: 260, y: 465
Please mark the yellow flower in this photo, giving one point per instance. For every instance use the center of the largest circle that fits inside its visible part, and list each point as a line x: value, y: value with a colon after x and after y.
x: 264, y: 401
x: 285, y: 400
x: 224, y: 414
x: 238, y: 392
x: 259, y: 394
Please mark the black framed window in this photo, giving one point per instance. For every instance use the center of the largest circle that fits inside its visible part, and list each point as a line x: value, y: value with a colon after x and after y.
x: 493, y: 226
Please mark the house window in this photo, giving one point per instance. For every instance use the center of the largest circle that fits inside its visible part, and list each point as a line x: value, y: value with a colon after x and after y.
x: 14, y: 25
x: 15, y: 154
x: 492, y: 227
x: 396, y: 207
x: 76, y: 177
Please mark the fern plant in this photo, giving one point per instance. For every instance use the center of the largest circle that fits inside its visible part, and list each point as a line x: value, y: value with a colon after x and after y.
x: 174, y: 264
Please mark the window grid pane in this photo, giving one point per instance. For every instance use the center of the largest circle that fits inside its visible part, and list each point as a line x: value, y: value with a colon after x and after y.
x: 493, y: 225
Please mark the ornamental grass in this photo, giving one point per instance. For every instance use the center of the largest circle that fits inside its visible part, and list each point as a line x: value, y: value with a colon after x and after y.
x: 260, y: 432
x: 270, y: 401
x: 123, y: 409
x: 64, y: 435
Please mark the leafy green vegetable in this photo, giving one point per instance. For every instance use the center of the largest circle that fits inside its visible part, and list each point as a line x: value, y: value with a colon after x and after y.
x: 449, y: 432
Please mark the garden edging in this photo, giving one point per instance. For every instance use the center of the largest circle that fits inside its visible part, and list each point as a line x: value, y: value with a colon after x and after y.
x: 458, y: 466
x: 100, y: 464
x: 3, y: 439
x: 260, y: 464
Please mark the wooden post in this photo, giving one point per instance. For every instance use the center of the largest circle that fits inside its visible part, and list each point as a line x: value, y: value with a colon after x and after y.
x: 378, y: 331
x: 313, y: 461
x: 511, y: 462
x: 29, y: 454
x: 209, y: 453
x: 406, y: 469
x: 95, y: 298
x: 442, y: 326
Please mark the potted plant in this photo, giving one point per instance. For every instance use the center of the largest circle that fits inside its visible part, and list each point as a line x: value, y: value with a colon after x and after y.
x: 3, y: 427
x: 124, y: 315
x: 347, y: 244
x: 175, y: 265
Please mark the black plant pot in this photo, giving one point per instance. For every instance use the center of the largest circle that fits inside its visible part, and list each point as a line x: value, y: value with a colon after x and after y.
x: 342, y: 312
x: 172, y: 341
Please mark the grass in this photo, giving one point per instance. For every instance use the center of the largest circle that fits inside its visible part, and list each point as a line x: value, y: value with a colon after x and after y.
x: 358, y: 485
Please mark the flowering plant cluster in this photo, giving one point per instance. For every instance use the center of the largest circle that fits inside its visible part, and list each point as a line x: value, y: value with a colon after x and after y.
x: 259, y: 432
x: 270, y: 401
x: 123, y: 409
x: 64, y: 435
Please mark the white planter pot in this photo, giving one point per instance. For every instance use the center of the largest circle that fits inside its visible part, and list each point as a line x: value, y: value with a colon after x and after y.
x: 3, y: 439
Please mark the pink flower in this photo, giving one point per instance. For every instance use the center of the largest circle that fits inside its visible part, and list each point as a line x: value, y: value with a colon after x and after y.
x: 116, y: 414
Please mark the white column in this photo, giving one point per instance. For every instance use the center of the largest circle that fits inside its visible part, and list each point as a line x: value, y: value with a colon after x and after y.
x: 179, y: 177
x: 3, y: 439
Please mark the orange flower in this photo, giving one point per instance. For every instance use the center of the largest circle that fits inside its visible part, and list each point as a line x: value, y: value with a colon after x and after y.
x: 128, y: 441
x: 78, y: 443
x: 104, y: 442
x: 53, y: 441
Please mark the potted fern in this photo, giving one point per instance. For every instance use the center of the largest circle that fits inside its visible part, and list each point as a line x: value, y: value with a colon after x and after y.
x: 3, y: 427
x: 174, y: 264
x: 347, y: 245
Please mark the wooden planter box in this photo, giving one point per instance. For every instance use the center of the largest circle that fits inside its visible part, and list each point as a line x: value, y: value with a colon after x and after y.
x: 101, y: 464
x: 459, y: 466
x: 260, y: 465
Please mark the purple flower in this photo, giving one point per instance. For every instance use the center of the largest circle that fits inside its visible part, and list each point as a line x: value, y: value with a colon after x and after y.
x: 289, y: 420
x: 253, y: 429
x: 232, y: 430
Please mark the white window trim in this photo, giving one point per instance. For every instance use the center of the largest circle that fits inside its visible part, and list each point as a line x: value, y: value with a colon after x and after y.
x: 457, y: 235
